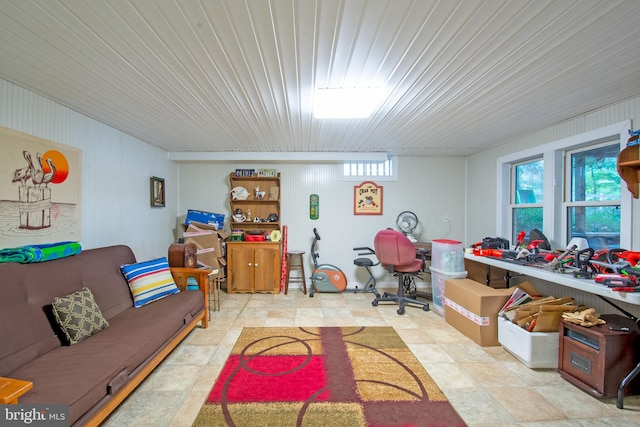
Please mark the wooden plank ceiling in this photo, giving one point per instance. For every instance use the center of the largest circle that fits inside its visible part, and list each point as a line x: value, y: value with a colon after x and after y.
x: 239, y: 75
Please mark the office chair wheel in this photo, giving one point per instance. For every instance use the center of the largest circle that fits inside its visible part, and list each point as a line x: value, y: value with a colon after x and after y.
x: 425, y: 308
x: 400, y: 311
x: 374, y: 303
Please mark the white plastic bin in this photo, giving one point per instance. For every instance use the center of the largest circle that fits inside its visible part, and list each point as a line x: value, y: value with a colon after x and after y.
x: 534, y: 349
x: 447, y: 256
x: 438, y: 279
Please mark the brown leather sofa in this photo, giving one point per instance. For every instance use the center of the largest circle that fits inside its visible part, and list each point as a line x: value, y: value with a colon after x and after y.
x: 95, y: 375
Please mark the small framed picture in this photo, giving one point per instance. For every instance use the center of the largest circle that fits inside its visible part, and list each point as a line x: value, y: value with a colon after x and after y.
x: 157, y: 192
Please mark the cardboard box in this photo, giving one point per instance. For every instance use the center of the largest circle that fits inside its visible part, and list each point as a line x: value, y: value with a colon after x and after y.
x: 209, y: 245
x: 472, y: 308
x: 534, y: 349
x: 206, y: 238
x: 209, y: 218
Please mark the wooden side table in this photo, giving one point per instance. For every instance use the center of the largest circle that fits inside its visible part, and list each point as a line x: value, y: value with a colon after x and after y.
x: 182, y: 274
x: 11, y: 389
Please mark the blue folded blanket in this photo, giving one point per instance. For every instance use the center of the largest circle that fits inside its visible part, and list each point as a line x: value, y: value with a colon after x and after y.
x: 40, y: 253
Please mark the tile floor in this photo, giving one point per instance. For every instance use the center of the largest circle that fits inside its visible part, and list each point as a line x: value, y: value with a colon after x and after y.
x: 486, y: 385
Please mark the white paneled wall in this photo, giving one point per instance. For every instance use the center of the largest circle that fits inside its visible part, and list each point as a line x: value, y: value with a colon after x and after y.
x: 430, y: 187
x: 115, y: 173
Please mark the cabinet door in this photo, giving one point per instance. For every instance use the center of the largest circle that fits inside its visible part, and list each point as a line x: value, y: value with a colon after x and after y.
x: 266, y: 263
x: 242, y: 268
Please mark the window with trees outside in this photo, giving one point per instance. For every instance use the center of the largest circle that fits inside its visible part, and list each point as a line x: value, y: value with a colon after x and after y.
x: 527, y: 196
x: 593, y: 195
x: 567, y: 189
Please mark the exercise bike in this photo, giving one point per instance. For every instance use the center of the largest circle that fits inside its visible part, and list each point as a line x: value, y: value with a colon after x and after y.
x: 325, y: 277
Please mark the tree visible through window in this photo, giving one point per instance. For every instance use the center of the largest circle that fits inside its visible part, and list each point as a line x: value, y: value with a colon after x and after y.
x: 527, y: 197
x: 593, y: 205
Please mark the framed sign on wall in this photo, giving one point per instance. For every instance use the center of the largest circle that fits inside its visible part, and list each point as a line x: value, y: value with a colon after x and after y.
x: 367, y: 199
x: 157, y: 192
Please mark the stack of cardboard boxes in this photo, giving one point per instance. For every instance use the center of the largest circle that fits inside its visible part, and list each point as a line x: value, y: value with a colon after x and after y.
x: 204, y: 229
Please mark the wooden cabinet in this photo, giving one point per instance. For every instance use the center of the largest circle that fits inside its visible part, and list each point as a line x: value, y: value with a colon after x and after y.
x: 253, y: 267
x: 262, y: 200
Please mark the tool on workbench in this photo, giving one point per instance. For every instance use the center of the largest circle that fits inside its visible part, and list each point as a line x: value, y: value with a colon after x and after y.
x: 614, y: 280
x: 582, y: 261
x: 555, y: 264
x: 637, y: 289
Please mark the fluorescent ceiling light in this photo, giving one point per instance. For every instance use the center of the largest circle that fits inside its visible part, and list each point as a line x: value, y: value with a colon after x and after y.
x: 346, y: 103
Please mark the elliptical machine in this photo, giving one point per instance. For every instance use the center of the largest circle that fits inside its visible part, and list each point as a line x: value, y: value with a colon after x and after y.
x: 325, y: 277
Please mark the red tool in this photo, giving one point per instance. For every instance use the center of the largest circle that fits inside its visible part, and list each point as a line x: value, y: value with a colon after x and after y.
x: 616, y: 280
x: 626, y: 289
x: 631, y: 257
x: 479, y: 251
x: 533, y: 246
x: 521, y: 236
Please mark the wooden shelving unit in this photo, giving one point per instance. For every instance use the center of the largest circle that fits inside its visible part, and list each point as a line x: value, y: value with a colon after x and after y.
x: 253, y: 206
x: 629, y: 168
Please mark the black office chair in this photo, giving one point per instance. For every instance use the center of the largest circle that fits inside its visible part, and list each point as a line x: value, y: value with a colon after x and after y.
x: 367, y: 263
x: 397, y: 255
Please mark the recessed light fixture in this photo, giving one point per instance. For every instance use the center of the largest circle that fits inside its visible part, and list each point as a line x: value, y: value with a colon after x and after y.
x: 346, y: 103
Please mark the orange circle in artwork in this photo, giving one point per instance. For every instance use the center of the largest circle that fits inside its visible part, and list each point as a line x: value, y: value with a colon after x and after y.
x: 60, y: 165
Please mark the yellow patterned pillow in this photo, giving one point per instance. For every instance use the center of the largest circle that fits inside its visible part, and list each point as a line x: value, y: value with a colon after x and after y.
x: 78, y: 315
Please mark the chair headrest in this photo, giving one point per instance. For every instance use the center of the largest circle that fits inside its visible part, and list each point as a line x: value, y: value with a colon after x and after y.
x: 394, y: 248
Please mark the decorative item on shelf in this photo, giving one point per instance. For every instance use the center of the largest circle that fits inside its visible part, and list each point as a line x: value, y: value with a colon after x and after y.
x: 256, y: 219
x: 274, y: 193
x: 258, y: 195
x: 272, y: 218
x: 267, y: 172
x: 236, y: 235
x: 239, y: 193
x: 238, y: 216
x: 245, y: 172
x: 275, y: 236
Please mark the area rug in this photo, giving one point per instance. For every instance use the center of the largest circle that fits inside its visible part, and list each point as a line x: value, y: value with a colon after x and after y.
x: 338, y: 376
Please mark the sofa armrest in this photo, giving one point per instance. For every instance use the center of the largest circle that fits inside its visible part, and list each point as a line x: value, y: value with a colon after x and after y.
x: 201, y: 275
x: 11, y: 389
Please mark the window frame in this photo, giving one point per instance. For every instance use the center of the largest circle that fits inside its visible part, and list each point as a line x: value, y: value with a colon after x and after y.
x: 513, y: 205
x: 567, y: 203
x: 393, y: 164
x: 554, y: 216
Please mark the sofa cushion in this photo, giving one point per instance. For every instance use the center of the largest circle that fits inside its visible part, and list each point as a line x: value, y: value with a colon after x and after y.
x: 78, y: 315
x: 149, y: 280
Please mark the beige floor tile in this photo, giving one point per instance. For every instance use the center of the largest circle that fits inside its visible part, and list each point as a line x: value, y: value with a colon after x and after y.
x: 486, y: 385
x: 526, y: 404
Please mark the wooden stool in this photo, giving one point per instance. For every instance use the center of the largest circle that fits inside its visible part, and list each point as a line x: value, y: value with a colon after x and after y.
x: 297, y: 265
x: 214, y: 290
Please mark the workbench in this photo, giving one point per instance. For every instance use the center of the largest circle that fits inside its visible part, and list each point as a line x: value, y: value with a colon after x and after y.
x: 567, y: 280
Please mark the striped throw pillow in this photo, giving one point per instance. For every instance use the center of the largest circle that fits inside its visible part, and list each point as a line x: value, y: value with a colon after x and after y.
x: 149, y: 281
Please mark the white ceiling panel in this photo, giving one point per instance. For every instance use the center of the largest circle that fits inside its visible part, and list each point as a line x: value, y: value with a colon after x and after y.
x: 239, y: 75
